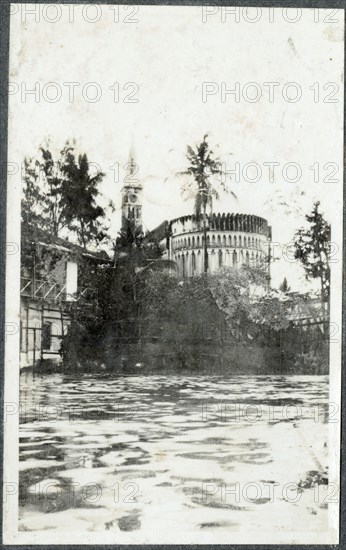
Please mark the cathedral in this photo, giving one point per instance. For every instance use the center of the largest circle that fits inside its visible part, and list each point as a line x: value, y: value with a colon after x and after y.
x: 197, y: 245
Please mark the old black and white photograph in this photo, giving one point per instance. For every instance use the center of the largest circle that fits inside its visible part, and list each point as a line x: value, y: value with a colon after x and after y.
x: 173, y: 274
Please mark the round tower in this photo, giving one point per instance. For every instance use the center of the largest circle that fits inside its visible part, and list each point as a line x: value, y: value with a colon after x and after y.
x: 233, y: 240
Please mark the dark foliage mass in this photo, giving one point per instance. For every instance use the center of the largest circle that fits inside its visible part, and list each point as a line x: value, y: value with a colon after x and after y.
x: 313, y: 247
x: 61, y: 195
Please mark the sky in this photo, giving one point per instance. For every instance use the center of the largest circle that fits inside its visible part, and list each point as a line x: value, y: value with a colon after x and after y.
x: 139, y: 78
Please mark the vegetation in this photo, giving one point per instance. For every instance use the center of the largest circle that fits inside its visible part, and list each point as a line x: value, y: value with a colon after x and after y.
x: 114, y: 317
x: 147, y: 313
x: 80, y: 191
x: 312, y: 249
x: 60, y: 195
x: 203, y: 167
x: 284, y: 286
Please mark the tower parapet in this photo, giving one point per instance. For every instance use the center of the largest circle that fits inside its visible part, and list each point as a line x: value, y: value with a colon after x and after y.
x: 224, y: 222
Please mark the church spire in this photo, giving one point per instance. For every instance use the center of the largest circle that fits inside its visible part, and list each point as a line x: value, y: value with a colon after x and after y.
x: 131, y: 165
x: 132, y: 193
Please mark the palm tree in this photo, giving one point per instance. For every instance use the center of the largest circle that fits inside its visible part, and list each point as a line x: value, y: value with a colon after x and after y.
x: 203, y: 166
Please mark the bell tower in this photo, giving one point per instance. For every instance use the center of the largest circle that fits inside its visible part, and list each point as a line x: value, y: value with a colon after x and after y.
x: 131, y: 207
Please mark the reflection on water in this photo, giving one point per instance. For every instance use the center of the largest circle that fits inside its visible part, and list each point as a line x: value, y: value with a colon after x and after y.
x: 146, y: 455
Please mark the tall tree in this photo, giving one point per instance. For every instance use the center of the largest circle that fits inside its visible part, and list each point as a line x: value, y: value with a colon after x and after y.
x: 203, y: 167
x: 60, y: 194
x: 312, y: 249
x: 53, y: 186
x: 32, y: 204
x: 80, y: 191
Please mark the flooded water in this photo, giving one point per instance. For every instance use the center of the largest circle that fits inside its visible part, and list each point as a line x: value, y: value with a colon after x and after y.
x: 150, y: 457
